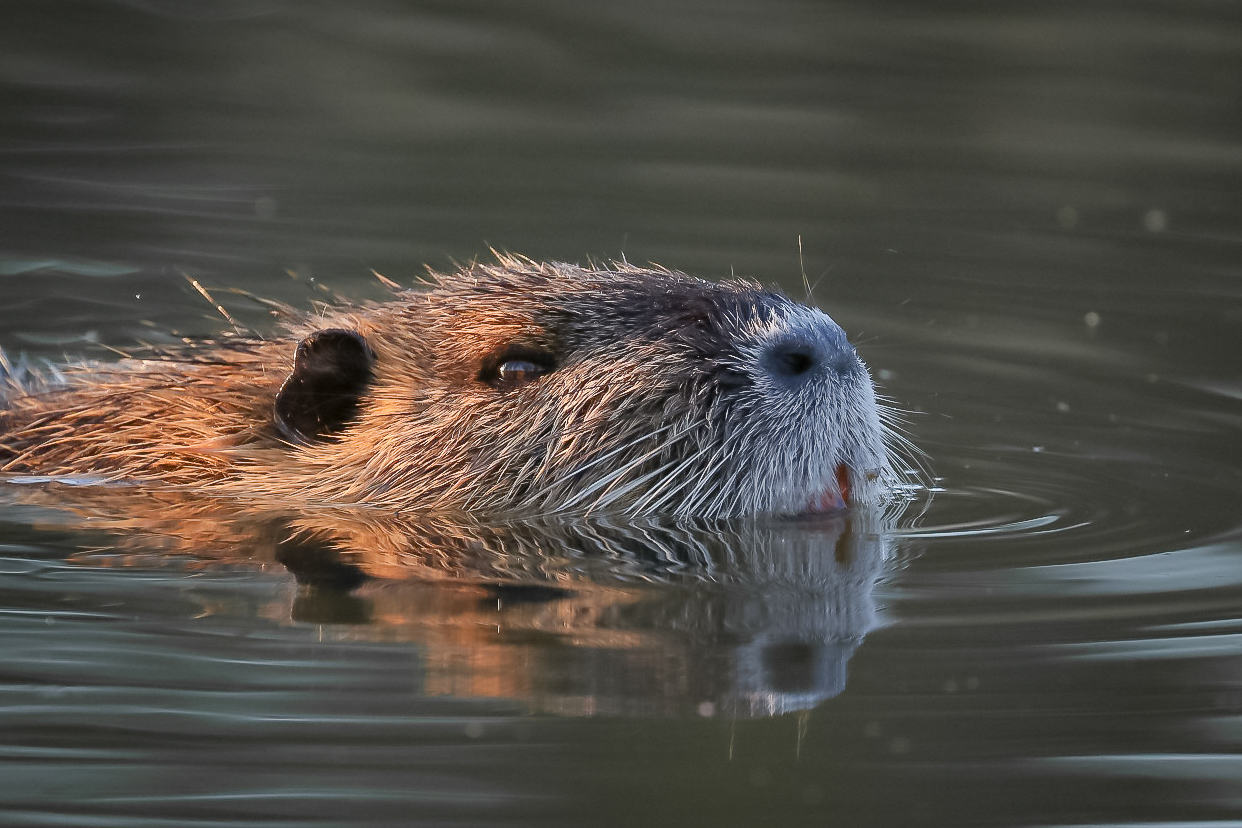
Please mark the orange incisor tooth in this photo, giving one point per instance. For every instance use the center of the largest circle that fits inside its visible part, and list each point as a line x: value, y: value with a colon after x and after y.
x: 843, y: 482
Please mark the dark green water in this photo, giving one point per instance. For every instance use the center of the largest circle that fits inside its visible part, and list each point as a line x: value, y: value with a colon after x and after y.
x: 1029, y: 219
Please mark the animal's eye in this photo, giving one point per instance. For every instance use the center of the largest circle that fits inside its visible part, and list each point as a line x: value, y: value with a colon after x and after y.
x: 516, y: 366
x: 518, y: 371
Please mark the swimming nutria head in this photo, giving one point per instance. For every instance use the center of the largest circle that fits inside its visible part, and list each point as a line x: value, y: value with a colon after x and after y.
x: 514, y: 387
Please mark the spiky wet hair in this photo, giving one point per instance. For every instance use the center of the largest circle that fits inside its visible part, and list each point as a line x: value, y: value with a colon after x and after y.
x: 506, y: 387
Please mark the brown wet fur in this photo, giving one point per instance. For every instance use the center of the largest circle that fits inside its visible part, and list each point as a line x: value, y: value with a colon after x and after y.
x: 179, y: 418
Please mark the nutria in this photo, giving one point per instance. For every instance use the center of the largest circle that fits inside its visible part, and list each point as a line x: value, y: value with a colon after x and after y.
x: 514, y: 387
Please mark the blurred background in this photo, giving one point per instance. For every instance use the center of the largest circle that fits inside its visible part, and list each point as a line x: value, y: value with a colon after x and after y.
x: 934, y: 158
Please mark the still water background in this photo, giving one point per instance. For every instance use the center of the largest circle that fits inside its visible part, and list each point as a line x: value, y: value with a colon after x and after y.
x: 1027, y: 217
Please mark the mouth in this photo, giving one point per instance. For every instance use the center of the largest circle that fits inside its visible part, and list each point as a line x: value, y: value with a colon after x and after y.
x: 833, y: 499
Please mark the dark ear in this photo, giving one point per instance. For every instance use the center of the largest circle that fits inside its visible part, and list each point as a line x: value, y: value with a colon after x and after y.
x: 331, y: 370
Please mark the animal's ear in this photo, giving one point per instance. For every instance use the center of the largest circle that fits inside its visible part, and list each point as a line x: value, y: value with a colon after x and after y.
x: 331, y: 370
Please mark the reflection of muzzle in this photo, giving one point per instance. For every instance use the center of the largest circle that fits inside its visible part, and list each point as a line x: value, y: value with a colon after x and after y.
x: 781, y: 676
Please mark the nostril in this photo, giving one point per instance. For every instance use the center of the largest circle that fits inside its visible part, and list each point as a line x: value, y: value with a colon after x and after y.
x: 795, y: 360
x: 792, y: 360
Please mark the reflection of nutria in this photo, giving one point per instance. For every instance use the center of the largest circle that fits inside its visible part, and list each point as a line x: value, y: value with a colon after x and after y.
x: 513, y: 387
x: 599, y: 614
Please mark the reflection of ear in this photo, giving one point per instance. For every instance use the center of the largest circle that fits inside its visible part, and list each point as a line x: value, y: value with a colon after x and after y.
x: 331, y: 370
x: 317, y: 563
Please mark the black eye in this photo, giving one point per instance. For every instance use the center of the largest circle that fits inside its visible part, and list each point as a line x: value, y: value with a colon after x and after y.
x: 518, y: 371
x: 516, y: 366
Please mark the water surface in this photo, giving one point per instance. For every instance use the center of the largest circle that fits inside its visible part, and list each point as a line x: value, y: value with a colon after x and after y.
x: 1028, y: 220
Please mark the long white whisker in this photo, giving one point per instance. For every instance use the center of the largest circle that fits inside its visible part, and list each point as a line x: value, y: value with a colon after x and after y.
x: 609, y: 496
x: 606, y: 481
x: 690, y: 505
x: 675, y: 475
x: 607, y: 456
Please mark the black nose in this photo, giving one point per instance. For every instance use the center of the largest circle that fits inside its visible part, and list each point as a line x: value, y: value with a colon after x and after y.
x: 796, y: 359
